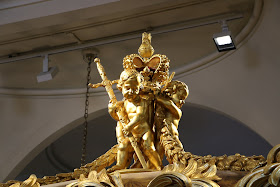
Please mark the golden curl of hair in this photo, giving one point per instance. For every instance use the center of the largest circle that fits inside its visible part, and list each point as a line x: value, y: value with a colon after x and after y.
x: 127, y: 74
x: 178, y: 85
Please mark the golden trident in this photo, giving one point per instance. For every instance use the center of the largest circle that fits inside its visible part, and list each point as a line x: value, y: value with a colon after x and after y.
x: 108, y: 86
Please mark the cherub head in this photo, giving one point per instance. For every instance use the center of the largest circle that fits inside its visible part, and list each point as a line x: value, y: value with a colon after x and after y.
x: 130, y: 83
x: 177, y: 91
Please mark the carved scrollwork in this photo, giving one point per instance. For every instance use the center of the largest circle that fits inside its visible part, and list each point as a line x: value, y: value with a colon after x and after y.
x: 178, y: 175
x: 30, y: 182
x: 100, y: 179
x: 268, y: 175
x: 171, y: 178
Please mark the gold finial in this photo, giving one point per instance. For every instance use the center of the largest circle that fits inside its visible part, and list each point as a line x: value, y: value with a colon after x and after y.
x: 146, y: 50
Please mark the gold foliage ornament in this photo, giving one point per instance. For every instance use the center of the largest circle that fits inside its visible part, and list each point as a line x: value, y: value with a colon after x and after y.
x: 30, y: 182
x: 178, y: 175
x: 265, y: 176
x: 104, y: 160
x: 101, y: 179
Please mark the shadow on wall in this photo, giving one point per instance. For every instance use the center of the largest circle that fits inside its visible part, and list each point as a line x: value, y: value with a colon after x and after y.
x: 202, y: 132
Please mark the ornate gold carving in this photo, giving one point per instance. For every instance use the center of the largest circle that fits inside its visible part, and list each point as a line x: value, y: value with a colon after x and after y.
x: 146, y: 50
x: 116, y: 177
x: 267, y: 175
x: 171, y: 179
x: 179, y: 175
x: 30, y: 182
x: 100, y: 179
x: 158, y: 66
x: 238, y: 162
x: 103, y: 161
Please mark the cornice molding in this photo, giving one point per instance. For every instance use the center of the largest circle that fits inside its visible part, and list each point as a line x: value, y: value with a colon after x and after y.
x: 43, y: 7
x: 18, y: 3
x: 103, y: 22
x: 52, y: 93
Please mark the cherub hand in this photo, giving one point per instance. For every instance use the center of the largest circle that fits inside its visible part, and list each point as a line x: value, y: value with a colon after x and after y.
x: 111, y: 105
x: 126, y: 130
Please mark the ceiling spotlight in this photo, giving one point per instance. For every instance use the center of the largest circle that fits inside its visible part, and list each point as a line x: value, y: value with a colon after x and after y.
x: 48, y: 73
x: 223, y: 40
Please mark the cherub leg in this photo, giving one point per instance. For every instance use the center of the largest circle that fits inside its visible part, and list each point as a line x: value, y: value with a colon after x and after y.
x: 124, y: 151
x: 159, y: 147
x: 150, y: 151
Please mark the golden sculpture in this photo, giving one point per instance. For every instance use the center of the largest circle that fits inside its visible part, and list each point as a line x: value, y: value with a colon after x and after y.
x: 130, y: 84
x: 148, y: 116
x: 147, y: 130
x: 168, y: 113
x: 141, y: 84
x: 135, y: 123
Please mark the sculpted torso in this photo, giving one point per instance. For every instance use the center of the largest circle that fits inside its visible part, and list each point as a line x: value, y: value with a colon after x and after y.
x: 137, y: 114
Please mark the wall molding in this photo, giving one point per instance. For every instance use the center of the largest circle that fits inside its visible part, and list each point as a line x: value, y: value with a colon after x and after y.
x: 10, y: 4
x: 13, y: 11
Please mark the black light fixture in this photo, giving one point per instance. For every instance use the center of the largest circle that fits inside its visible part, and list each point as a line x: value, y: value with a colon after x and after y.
x: 223, y: 40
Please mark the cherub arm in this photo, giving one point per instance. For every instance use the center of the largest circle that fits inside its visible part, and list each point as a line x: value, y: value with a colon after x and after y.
x: 112, y: 109
x: 139, y: 116
x: 169, y: 104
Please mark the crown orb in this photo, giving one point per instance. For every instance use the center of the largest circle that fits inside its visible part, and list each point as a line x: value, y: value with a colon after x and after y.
x: 146, y: 50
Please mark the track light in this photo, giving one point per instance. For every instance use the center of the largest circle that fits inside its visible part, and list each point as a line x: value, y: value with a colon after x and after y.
x: 223, y: 40
x: 48, y: 73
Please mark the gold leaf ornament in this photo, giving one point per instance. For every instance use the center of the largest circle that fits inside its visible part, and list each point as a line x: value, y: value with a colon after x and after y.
x: 30, y: 182
x: 191, y: 168
x: 178, y: 174
x: 171, y: 178
x: 275, y: 176
x: 268, y: 175
x: 100, y: 179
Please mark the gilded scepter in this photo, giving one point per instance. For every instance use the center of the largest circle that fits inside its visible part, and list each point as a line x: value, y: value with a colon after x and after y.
x: 108, y: 86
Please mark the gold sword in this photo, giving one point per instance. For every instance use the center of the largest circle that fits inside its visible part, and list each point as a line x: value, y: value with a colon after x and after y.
x: 108, y: 86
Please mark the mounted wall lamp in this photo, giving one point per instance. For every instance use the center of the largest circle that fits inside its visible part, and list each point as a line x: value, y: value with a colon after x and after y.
x: 48, y: 73
x: 223, y: 40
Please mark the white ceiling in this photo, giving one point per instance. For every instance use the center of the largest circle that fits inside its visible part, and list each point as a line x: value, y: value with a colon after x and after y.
x: 97, y: 22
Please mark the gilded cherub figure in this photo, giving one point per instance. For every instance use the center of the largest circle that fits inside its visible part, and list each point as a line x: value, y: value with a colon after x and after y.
x: 136, y: 109
x: 168, y: 112
x: 144, y: 113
